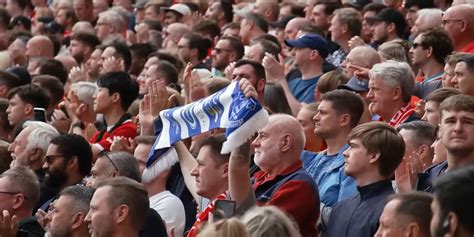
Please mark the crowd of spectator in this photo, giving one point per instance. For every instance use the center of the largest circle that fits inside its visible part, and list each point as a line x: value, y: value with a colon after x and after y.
x: 370, y: 131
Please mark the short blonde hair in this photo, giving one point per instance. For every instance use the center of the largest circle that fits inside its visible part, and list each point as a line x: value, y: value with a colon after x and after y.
x: 269, y: 221
x: 232, y: 227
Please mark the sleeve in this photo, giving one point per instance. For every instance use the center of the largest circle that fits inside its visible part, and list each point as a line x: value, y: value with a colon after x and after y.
x: 126, y: 130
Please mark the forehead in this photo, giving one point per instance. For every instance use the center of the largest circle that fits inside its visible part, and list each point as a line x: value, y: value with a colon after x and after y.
x: 52, y: 149
x: 325, y: 105
x: 100, y: 194
x: 108, y: 52
x: 63, y: 200
x: 391, y: 207
x: 419, y: 38
x: 222, y: 42
x: 243, y: 69
x: 461, y: 66
x: 205, y: 154
x: 457, y: 114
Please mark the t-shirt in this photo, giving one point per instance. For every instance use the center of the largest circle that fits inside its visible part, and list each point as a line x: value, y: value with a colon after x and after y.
x: 171, y: 210
x: 303, y: 90
x: 127, y: 129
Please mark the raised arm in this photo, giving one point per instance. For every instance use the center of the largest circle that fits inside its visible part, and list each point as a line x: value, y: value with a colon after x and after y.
x: 187, y: 163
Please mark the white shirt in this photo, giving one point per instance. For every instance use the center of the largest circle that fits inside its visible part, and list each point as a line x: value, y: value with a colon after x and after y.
x: 171, y: 210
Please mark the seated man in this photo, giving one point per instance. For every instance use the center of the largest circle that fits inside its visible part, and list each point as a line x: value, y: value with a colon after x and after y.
x: 23, y: 100
x: 20, y: 192
x: 412, y: 213
x: 69, y: 212
x: 375, y: 151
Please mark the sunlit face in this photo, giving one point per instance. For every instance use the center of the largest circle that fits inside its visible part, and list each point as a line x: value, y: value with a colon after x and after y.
x: 209, y: 175
x: 357, y: 159
x: 448, y: 76
x: 100, y: 220
x: 457, y: 131
x: 19, y: 150
x: 326, y: 121
x: 381, y: 96
x: 102, y: 100
x: 431, y: 114
x: 61, y: 215
x: 267, y: 147
x: 319, y: 17
x: 418, y: 52
x: 18, y: 110
x: 463, y: 79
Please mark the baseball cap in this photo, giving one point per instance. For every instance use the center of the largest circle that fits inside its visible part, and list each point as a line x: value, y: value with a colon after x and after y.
x: 311, y: 41
x: 139, y: 4
x: 355, y: 84
x: 391, y: 15
x: 281, y: 23
x: 179, y: 8
x: 20, y: 20
x: 203, y: 74
x: 22, y: 73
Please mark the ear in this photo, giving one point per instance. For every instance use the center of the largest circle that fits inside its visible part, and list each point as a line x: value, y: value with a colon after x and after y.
x: 397, y: 93
x: 314, y: 54
x: 3, y: 90
x: 463, y: 26
x: 344, y: 28
x: 453, y: 222
x: 391, y: 27
x: 18, y: 201
x: 194, y: 52
x: 121, y: 213
x: 225, y: 171
x: 72, y: 163
x: 287, y: 142
x: 424, y: 150
x: 28, y: 109
x: 78, y: 220
x: 232, y: 57
x: 116, y: 97
x: 115, y: 174
x: 345, y: 120
x: 36, y: 155
x: 413, y: 229
x: 260, y: 85
x: 430, y: 52
x: 374, y: 157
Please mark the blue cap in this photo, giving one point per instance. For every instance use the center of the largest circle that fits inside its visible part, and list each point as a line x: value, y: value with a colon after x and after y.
x: 355, y: 84
x: 311, y: 41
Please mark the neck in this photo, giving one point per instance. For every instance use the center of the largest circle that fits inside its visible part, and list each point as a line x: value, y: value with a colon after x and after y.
x: 222, y: 189
x: 156, y: 186
x: 459, y: 160
x: 82, y: 231
x: 127, y: 231
x: 286, y: 160
x: 344, y: 44
x: 461, y: 43
x: 87, y: 117
x: 392, y: 110
x: 73, y: 179
x: 336, y: 142
x: 22, y: 214
x: 194, y: 61
x: 255, y: 33
x: 311, y: 70
x: 431, y: 69
x: 369, y: 177
x: 392, y: 37
x: 113, y: 115
x: 314, y: 144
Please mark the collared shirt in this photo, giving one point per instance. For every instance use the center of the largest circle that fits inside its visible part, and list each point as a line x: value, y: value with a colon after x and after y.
x: 425, y: 179
x: 337, y: 57
x: 294, y: 192
x: 359, y: 216
x: 328, y: 173
x: 303, y: 90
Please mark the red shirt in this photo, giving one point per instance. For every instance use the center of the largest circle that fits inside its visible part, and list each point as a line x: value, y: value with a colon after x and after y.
x: 297, y: 196
x: 128, y: 129
x: 469, y: 48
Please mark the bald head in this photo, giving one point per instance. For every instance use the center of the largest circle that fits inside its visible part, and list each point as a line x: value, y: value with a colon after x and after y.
x: 461, y: 33
x: 362, y: 56
x: 40, y: 46
x: 287, y: 124
x: 269, y: 9
x: 178, y: 28
x: 68, y: 61
x: 294, y: 25
x: 83, y: 26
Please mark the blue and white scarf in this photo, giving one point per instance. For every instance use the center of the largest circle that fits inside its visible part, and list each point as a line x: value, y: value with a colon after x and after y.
x: 228, y: 108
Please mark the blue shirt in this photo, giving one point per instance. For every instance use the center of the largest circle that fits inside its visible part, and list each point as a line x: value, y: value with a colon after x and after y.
x: 303, y: 90
x: 328, y: 173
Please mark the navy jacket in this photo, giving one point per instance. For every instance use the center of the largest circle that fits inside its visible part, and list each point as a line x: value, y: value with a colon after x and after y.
x: 359, y: 216
x: 425, y: 179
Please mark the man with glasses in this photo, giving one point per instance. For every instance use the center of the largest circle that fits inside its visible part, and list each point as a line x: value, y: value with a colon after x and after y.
x: 19, y: 192
x: 172, y: 34
x: 459, y: 23
x: 68, y: 161
x: 228, y: 49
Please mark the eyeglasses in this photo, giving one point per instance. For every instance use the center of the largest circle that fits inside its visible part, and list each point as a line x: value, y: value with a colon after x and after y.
x: 104, y: 153
x: 51, y: 158
x: 12, y: 193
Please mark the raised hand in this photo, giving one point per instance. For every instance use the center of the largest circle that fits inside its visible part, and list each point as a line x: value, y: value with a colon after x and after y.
x: 78, y: 74
x: 112, y: 64
x: 356, y: 41
x: 248, y: 89
x: 42, y: 218
x: 120, y: 143
x: 229, y: 70
x: 8, y: 224
x: 159, y: 98
x: 60, y: 121
x: 187, y: 79
x: 274, y: 70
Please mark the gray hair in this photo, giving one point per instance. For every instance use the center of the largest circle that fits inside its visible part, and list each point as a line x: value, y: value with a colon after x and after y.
x: 423, y: 133
x: 351, y: 18
x: 123, y: 14
x: 395, y: 74
x: 40, y: 135
x: 85, y: 91
x: 269, y: 221
x: 430, y: 18
x: 23, y: 180
x: 81, y: 197
x: 127, y: 165
x: 113, y: 18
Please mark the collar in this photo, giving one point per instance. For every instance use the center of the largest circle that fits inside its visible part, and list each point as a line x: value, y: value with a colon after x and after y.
x: 469, y: 48
x: 435, y: 77
x: 290, y: 169
x: 374, y: 189
x: 401, y: 115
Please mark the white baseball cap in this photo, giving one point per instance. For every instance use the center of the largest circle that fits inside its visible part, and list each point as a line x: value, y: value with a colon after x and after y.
x: 180, y: 8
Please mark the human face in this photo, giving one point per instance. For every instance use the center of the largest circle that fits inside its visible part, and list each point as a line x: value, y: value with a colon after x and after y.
x: 291, y: 30
x: 308, y: 10
x: 184, y: 51
x: 453, y: 24
x: 380, y: 32
x: 141, y: 154
x: 150, y: 13
x: 77, y: 50
x: 357, y: 159
x: 411, y: 15
x: 326, y: 121
x: 245, y: 32
x: 319, y: 18
x: 19, y: 149
x: 439, y: 150
x: 305, y: 117
x: 61, y: 216
x: 448, y: 76
x: 100, y: 218
x: 102, y: 169
x: 221, y: 55
x: 367, y: 29
x: 336, y: 29
x: 170, y: 18
x: 255, y: 53
x: 99, y: 6
x: 212, y: 12
x: 6, y: 200
x: 150, y: 76
x: 103, y: 28
x: 431, y: 113
x: 418, y: 52
x: 388, y: 227
x: 61, y: 17
x: 437, y: 219
x: 102, y: 100
x: 347, y: 62
x: 231, y: 32
x: 107, y: 53
x: 458, y: 131
x: 18, y: 110
x: 93, y: 63
x: 55, y: 167
x: 463, y: 79
x: 246, y: 71
x: 209, y: 175
x: 380, y: 96
x: 267, y: 147
x: 301, y: 56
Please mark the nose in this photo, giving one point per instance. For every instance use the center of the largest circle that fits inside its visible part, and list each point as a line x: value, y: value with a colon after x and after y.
x: 88, y: 217
x: 346, y: 153
x: 11, y: 147
x: 45, y: 166
x: 316, y: 117
x: 424, y: 117
x: 370, y: 94
x: 194, y: 171
x: 255, y: 142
